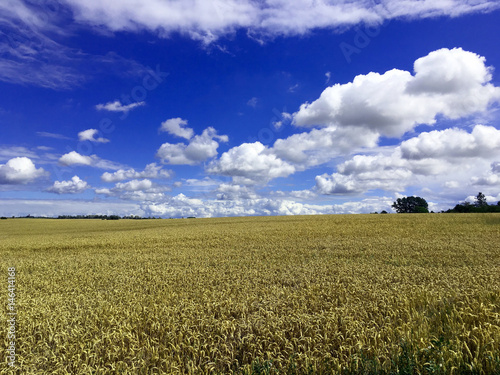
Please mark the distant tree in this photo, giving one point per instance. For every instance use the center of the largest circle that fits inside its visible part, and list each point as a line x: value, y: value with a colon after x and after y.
x: 481, y: 200
x: 384, y: 212
x: 410, y: 205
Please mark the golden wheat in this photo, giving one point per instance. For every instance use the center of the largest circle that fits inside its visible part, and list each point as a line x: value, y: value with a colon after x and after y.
x: 319, y: 294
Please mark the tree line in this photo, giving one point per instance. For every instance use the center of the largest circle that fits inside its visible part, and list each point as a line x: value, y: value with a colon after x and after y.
x: 419, y: 205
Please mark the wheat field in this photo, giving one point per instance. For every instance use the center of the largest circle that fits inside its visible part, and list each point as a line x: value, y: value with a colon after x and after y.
x: 341, y: 294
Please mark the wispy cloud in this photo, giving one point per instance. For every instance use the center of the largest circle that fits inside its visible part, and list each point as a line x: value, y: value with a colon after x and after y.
x: 73, y: 158
x: 117, y: 106
x: 53, y: 135
x: 208, y: 20
x: 34, y: 50
x: 253, y: 102
x: 8, y: 152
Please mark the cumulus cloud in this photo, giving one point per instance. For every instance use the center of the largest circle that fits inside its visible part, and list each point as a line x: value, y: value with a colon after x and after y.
x: 117, y: 106
x: 382, y: 174
x: 20, y: 170
x: 135, y: 185
x: 200, y: 148
x: 73, y: 186
x: 453, y: 143
x: 452, y: 83
x: 352, y: 118
x: 232, y: 192
x: 250, y: 163
x: 136, y: 190
x: 445, y: 156
x: 89, y: 135
x: 321, y: 145
x: 151, y: 171
x: 74, y: 158
x: 490, y: 178
x: 177, y: 126
x: 208, y: 20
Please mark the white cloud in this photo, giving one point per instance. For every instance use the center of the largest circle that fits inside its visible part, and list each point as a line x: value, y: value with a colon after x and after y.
x: 117, y: 106
x: 20, y: 170
x: 10, y: 152
x: 74, y: 158
x: 89, y: 135
x: 328, y: 76
x: 200, y: 148
x: 52, y: 135
x: 453, y: 143
x: 321, y: 145
x: 208, y: 20
x: 56, y: 207
x: 205, y: 182
x: 34, y: 57
x: 250, y: 163
x: 136, y: 190
x: 73, y: 186
x: 451, y: 158
x: 177, y: 127
x: 490, y: 180
x: 392, y: 180
x: 253, y: 102
x: 393, y: 103
x: 232, y: 192
x: 182, y: 206
x: 174, y: 154
x: 151, y: 171
x: 134, y: 185
x: 302, y: 195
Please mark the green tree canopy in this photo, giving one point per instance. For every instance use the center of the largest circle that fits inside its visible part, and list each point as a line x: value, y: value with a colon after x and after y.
x: 481, y: 200
x: 410, y: 205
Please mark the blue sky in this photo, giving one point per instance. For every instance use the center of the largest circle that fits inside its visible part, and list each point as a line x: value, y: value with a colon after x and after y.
x: 226, y: 107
